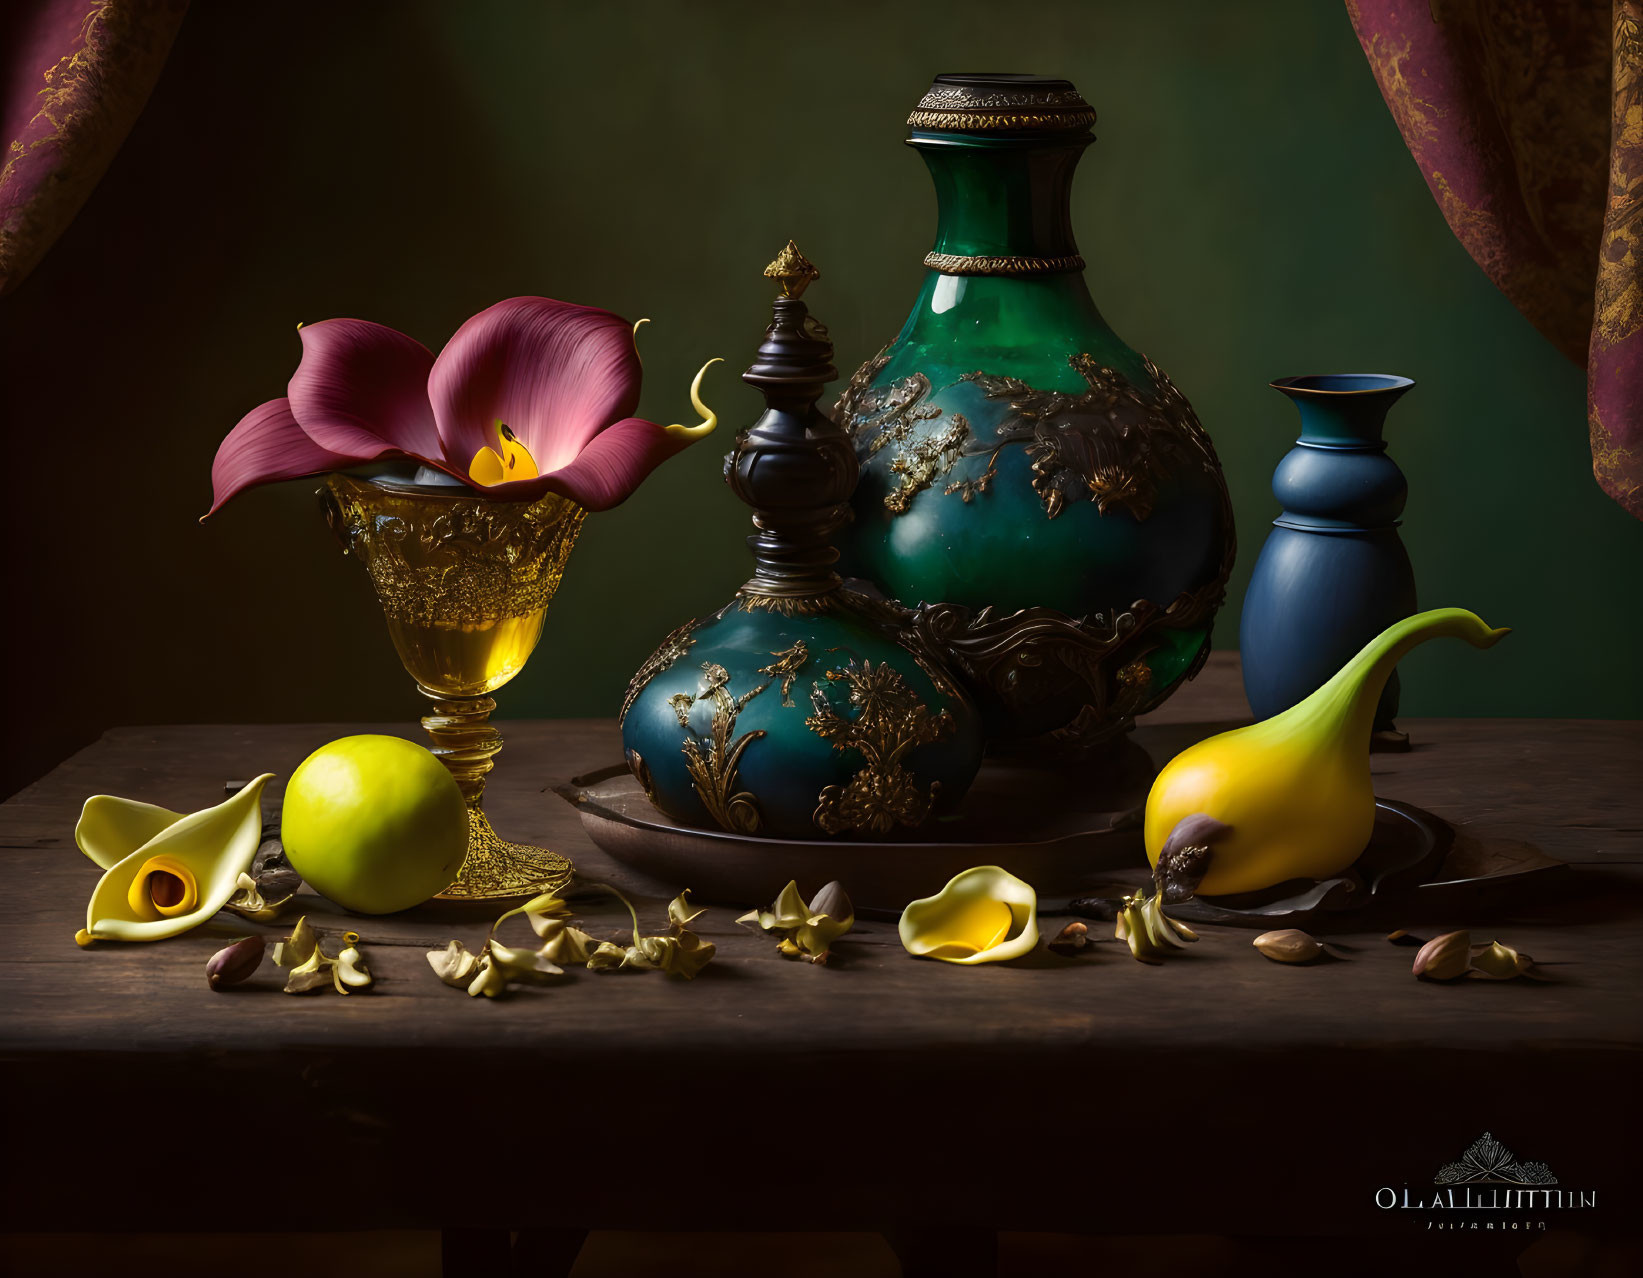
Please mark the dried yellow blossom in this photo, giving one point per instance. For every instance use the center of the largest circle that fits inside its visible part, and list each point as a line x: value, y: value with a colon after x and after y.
x: 682, y: 912
x: 682, y: 954
x: 494, y: 968
x: 563, y: 943
x: 805, y: 931
x: 1151, y: 934
x: 249, y: 902
x: 312, y: 968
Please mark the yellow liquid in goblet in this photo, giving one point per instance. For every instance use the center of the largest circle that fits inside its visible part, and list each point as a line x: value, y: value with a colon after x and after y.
x: 464, y: 582
x: 465, y: 659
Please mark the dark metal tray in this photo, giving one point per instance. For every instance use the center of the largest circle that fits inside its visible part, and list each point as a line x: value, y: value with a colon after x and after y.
x: 1074, y: 835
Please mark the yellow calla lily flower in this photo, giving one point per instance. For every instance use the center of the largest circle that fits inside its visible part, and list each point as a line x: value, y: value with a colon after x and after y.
x: 164, y: 872
x: 984, y: 915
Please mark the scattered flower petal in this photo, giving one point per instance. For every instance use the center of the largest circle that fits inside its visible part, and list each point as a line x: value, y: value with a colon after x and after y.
x: 455, y: 964
x: 1150, y: 933
x: 683, y: 955
x: 681, y: 911
x: 1497, y: 962
x: 565, y: 944
x: 249, y: 902
x: 491, y: 971
x: 805, y: 931
x: 983, y: 915
x: 490, y: 979
x: 611, y: 957
x: 298, y: 947
x: 523, y: 963
x: 788, y: 911
x: 350, y: 968
x: 312, y: 968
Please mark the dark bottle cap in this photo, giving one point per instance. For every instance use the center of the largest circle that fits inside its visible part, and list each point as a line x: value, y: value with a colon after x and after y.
x: 1001, y: 103
x: 794, y: 466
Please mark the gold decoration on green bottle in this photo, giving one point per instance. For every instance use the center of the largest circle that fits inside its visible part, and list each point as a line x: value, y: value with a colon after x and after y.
x: 713, y: 768
x: 890, y: 722
x: 670, y: 650
x: 786, y: 667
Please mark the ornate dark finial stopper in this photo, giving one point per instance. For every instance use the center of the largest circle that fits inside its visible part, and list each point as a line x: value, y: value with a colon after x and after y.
x: 793, y: 466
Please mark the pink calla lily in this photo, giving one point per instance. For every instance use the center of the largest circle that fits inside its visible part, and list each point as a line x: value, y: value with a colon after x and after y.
x: 529, y: 397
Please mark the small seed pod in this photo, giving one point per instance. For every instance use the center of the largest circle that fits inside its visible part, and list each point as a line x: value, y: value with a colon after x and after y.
x: 1288, y: 946
x: 1072, y: 939
x: 235, y: 964
x: 834, y: 902
x: 1445, y: 957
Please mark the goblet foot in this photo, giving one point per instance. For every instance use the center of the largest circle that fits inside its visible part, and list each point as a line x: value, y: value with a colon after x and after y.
x: 496, y: 869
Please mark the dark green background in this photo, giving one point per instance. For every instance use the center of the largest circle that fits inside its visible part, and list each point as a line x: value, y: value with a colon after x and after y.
x: 1248, y: 212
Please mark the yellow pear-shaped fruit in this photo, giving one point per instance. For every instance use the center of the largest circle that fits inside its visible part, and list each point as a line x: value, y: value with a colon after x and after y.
x: 1294, y: 791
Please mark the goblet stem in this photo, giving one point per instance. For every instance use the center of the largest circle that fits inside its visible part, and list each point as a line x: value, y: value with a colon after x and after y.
x: 465, y: 740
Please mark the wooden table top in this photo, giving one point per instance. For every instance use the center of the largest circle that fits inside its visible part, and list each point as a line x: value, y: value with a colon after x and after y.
x: 1217, y: 1093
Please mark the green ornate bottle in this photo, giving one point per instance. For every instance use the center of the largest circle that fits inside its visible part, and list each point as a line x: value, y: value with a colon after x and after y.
x: 1042, y: 489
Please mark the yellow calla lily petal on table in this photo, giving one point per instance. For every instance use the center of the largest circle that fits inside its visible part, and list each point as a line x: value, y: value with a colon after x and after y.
x: 984, y: 915
x: 175, y: 879
x: 111, y: 829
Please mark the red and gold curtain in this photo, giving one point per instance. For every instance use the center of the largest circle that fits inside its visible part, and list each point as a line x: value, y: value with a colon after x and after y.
x: 1526, y: 118
x: 77, y: 74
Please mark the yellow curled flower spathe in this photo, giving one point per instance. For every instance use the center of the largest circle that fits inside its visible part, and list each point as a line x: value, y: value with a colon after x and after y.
x: 984, y: 915
x: 164, y: 872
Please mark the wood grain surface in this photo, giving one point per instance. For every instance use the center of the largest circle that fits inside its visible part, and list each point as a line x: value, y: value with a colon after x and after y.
x: 1217, y: 1093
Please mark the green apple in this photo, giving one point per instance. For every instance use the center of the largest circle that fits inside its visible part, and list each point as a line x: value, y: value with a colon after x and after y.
x: 375, y: 823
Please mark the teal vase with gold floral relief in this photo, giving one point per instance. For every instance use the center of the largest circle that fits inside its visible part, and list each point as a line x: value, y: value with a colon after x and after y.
x: 1041, y: 489
x: 800, y: 709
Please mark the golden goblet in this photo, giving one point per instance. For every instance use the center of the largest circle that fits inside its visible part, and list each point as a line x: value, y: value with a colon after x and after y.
x: 464, y: 584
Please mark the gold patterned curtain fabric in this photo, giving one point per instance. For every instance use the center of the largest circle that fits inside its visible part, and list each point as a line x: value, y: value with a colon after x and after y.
x: 78, y: 73
x: 1526, y: 119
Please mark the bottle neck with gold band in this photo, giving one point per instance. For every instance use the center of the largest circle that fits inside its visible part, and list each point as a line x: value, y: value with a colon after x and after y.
x: 1002, y: 151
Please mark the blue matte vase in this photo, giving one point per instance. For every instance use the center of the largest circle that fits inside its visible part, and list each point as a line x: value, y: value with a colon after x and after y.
x: 1333, y: 573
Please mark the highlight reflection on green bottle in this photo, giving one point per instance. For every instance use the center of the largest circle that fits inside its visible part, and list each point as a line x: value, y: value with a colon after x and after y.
x: 1017, y: 456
